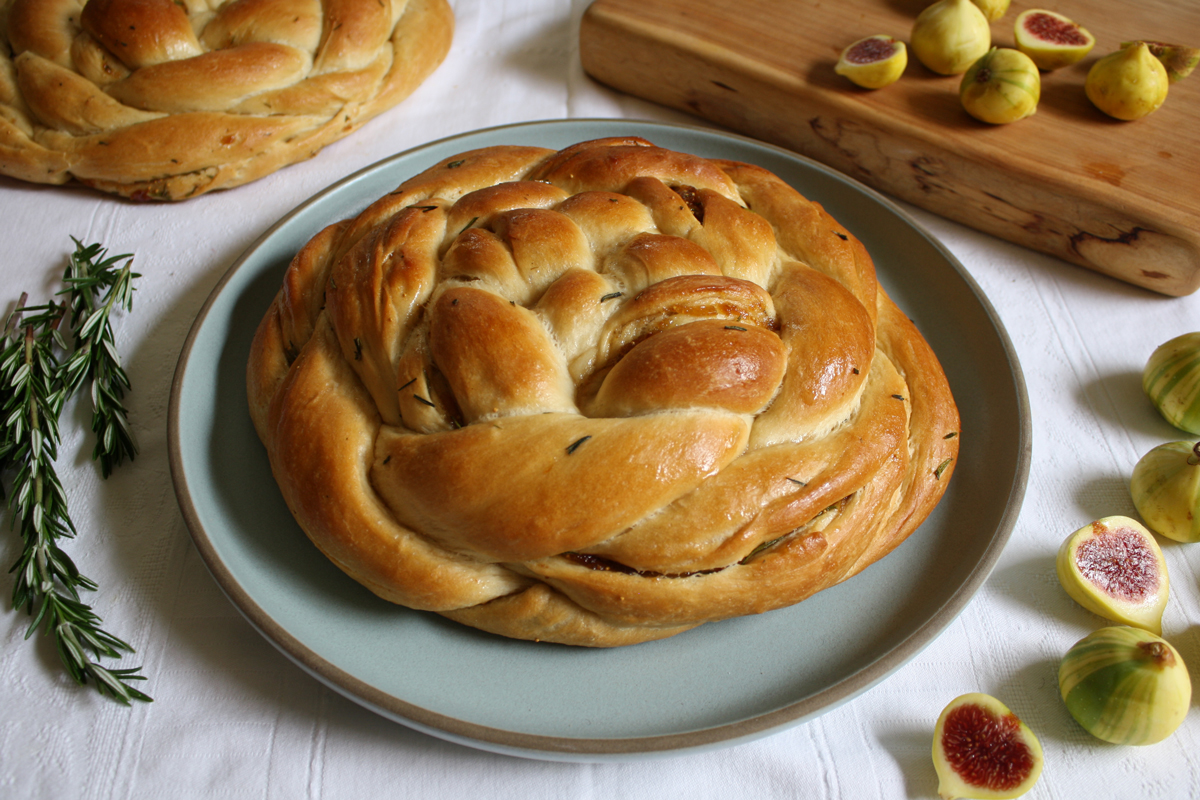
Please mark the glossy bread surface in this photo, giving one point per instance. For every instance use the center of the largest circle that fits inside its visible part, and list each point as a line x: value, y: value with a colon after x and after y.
x: 165, y: 100
x: 598, y: 395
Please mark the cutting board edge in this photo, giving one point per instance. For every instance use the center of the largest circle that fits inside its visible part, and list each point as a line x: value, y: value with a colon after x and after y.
x: 1152, y: 251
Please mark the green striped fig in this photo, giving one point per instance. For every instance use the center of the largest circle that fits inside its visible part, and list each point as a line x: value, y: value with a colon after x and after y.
x: 1002, y: 86
x: 1172, y: 381
x: 1125, y: 685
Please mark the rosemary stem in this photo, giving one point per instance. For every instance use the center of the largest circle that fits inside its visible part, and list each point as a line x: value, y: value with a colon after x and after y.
x: 34, y: 421
x: 34, y: 386
x: 15, y: 316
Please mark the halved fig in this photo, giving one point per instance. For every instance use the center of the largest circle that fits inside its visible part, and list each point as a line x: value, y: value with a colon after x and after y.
x: 873, y: 62
x: 982, y: 750
x: 1051, y: 40
x: 1114, y: 567
x: 1179, y: 61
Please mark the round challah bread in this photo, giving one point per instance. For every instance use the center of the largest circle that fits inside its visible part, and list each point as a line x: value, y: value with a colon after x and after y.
x: 168, y: 99
x: 597, y: 396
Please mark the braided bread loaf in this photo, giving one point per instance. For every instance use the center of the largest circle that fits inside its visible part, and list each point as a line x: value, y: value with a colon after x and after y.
x: 597, y: 396
x: 168, y: 99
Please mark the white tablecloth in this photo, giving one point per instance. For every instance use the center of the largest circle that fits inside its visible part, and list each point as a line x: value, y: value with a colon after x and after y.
x: 232, y: 717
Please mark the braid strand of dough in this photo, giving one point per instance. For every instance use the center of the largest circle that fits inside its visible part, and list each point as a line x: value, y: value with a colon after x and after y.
x: 167, y: 99
x: 597, y: 396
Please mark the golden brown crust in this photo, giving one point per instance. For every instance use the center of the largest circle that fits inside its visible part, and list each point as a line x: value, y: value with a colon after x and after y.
x: 160, y: 100
x: 597, y: 396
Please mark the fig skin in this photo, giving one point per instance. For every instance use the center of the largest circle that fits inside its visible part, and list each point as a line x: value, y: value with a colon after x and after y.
x: 978, y: 735
x: 1171, y: 379
x: 1127, y: 84
x: 1051, y: 55
x: 1165, y: 487
x: 1178, y: 60
x: 1114, y: 568
x: 878, y: 73
x: 950, y: 35
x: 992, y: 9
x: 1001, y: 87
x: 1125, y: 685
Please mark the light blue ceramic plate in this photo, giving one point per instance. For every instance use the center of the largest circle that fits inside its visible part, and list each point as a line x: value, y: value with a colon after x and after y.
x: 717, y: 685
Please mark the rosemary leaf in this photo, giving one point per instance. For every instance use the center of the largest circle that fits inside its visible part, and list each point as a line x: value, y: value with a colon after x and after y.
x: 97, y: 284
x: 34, y: 386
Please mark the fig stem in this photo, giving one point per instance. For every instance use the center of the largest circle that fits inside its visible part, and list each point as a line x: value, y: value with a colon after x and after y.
x: 1158, y: 654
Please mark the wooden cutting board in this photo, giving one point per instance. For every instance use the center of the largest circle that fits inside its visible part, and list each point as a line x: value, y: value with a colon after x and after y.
x: 1122, y: 198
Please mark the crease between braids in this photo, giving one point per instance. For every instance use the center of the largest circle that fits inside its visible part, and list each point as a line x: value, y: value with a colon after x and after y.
x: 169, y: 99
x: 597, y: 396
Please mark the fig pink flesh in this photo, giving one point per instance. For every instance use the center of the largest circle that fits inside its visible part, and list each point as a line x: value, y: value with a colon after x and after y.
x: 986, y: 750
x: 1118, y: 563
x: 1054, y: 30
x: 869, y: 51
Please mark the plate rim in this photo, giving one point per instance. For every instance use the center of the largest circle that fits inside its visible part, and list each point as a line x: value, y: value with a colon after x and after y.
x: 560, y: 748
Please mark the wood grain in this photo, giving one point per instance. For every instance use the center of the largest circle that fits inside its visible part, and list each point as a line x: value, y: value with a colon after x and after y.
x: 1121, y: 198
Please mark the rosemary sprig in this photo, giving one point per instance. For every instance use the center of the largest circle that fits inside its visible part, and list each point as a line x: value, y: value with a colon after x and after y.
x: 89, y: 273
x: 34, y: 386
x: 7, y: 368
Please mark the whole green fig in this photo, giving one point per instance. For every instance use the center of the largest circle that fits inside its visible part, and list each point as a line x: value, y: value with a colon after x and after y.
x: 1003, y: 86
x: 950, y: 36
x: 1166, y: 490
x: 1125, y: 685
x: 1127, y: 84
